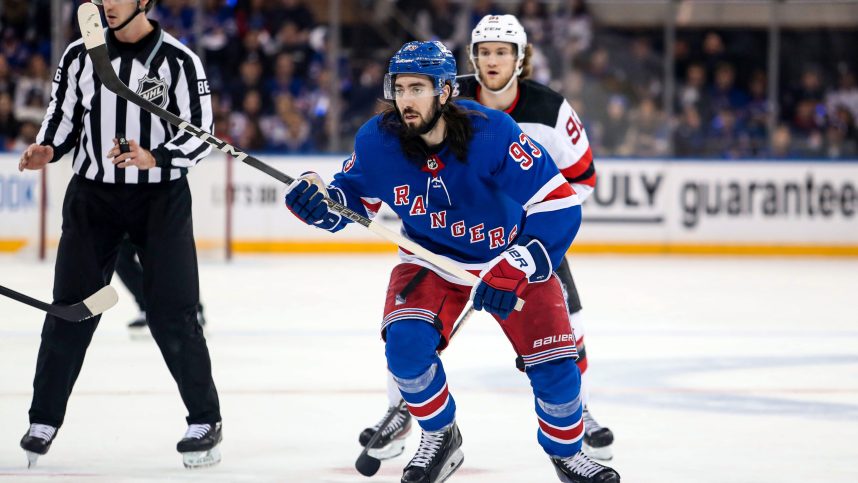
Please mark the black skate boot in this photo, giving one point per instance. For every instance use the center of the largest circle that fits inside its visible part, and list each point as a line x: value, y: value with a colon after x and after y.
x: 37, y: 441
x: 391, y: 442
x: 138, y: 328
x: 597, y: 438
x: 579, y: 468
x: 438, y: 456
x: 199, y: 447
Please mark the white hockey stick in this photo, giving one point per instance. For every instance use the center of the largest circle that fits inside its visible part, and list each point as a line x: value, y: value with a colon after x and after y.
x: 92, y: 30
x: 93, y: 305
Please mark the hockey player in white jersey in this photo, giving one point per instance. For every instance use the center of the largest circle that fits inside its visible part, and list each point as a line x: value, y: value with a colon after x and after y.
x: 500, y: 56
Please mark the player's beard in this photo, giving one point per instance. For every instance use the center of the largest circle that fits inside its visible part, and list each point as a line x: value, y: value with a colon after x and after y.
x: 426, y: 122
x: 495, y: 83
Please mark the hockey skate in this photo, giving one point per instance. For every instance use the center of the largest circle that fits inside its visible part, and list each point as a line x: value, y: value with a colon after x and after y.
x: 391, y: 442
x: 597, y: 438
x: 579, y: 468
x: 438, y: 456
x: 200, y: 445
x: 138, y: 328
x: 37, y: 441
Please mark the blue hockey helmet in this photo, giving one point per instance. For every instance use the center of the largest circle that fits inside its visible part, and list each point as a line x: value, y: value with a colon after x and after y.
x: 430, y: 58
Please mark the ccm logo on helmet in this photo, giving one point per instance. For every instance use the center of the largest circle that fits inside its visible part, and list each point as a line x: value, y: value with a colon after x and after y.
x: 553, y: 340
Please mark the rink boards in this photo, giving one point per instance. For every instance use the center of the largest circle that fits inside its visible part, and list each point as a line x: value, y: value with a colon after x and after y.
x: 639, y: 206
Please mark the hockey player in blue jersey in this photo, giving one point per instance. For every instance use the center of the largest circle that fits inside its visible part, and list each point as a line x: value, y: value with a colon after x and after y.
x: 469, y: 185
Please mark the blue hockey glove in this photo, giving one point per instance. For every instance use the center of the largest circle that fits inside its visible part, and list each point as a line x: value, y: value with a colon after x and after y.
x: 304, y: 198
x: 306, y: 202
x: 508, y: 276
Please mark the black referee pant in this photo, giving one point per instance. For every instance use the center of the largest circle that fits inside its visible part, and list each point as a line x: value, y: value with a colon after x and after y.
x: 130, y: 272
x: 157, y: 219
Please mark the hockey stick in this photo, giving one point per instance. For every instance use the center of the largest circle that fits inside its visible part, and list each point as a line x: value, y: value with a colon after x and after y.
x: 89, y: 20
x: 95, y: 304
x: 368, y: 465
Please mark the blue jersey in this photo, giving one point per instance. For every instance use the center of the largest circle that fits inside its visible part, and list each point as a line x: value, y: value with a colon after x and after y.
x: 508, y: 190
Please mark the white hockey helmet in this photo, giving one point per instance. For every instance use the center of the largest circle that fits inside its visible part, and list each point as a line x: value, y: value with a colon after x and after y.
x: 499, y: 28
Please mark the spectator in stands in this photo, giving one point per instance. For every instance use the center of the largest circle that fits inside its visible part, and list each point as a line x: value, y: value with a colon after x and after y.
x: 177, y: 18
x: 725, y: 138
x: 9, y: 124
x: 244, y: 124
x: 724, y: 93
x: 441, y: 20
x: 249, y: 79
x: 841, y: 135
x: 480, y: 9
x: 846, y: 93
x: 688, y: 137
x: 782, y: 145
x: 292, y: 41
x: 714, y: 51
x: 284, y: 79
x: 645, y: 69
x: 649, y: 133
x: 572, y: 30
x: 756, y: 114
x: 27, y: 132
x: 613, y: 134
x: 533, y: 16
x: 7, y: 81
x: 693, y: 92
x: 808, y: 91
x: 33, y: 90
x: 291, y: 11
x: 297, y: 138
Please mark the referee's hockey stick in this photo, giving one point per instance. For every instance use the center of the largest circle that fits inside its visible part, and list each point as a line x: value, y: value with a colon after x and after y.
x: 95, y: 304
x: 89, y: 20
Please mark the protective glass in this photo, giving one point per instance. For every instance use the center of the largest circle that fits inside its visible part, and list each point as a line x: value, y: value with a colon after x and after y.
x: 401, y: 93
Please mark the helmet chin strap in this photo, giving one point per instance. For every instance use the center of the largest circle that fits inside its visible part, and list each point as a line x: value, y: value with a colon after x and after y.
x: 129, y: 19
x: 503, y: 89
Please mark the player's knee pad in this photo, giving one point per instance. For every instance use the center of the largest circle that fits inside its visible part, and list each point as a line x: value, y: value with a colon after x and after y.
x: 410, y: 347
x: 555, y: 382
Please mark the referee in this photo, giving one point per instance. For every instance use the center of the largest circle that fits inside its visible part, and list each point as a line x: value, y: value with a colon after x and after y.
x: 136, y: 189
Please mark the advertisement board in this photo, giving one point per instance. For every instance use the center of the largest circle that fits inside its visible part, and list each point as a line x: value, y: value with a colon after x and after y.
x: 639, y: 206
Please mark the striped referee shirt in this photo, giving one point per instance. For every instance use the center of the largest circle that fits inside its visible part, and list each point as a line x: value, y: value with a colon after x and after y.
x: 86, y: 116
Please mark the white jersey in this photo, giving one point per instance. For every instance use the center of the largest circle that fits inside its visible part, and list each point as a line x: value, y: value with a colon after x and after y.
x: 547, y: 117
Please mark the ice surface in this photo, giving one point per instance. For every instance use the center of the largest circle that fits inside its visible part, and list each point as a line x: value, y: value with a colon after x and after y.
x: 707, y: 369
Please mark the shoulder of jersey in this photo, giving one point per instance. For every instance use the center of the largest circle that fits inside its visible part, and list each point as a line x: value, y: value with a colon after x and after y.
x: 487, y: 116
x: 174, y: 42
x: 371, y: 137
x: 468, y: 86
x: 542, y: 104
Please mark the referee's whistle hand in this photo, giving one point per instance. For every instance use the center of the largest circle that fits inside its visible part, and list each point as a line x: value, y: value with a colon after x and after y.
x: 36, y: 156
x: 136, y: 156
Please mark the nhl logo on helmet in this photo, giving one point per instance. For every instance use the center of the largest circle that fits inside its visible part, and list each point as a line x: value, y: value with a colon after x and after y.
x: 153, y: 90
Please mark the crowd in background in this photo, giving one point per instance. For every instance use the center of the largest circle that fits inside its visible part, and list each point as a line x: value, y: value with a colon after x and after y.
x: 268, y: 66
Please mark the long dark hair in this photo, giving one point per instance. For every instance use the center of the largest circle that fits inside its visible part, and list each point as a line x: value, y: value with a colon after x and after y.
x: 460, y: 131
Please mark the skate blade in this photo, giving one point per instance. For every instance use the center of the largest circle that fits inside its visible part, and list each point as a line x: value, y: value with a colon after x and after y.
x: 605, y: 453
x: 450, y: 466
x: 201, y: 459
x: 32, y: 459
x: 392, y: 450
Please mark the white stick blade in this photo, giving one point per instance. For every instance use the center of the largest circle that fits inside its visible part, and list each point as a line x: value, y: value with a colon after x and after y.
x: 91, y: 29
x: 101, y: 300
